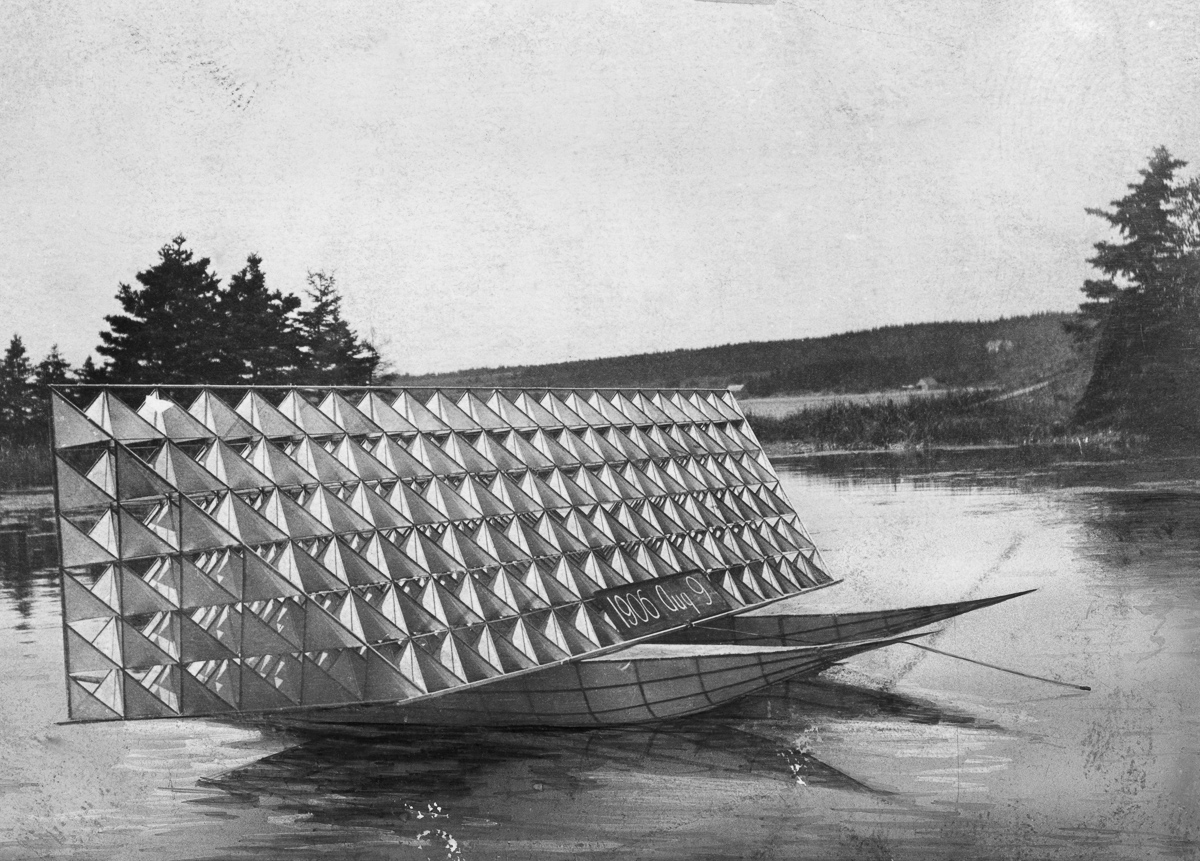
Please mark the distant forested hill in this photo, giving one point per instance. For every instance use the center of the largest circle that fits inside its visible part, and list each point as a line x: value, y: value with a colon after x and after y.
x: 1007, y: 352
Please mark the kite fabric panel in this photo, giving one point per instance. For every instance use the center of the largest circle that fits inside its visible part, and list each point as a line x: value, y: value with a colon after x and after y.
x: 252, y: 550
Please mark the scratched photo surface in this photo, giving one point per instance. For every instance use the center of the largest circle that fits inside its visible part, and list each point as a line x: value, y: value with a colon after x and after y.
x: 546, y: 181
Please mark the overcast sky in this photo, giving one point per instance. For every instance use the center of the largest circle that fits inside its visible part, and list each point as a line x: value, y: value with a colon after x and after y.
x: 502, y: 183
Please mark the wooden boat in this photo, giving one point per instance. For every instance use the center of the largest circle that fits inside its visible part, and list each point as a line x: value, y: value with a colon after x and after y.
x: 640, y: 684
x: 765, y: 628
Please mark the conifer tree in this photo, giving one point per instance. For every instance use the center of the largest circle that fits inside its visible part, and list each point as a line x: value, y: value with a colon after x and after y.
x: 171, y: 329
x: 18, y: 404
x: 333, y: 352
x: 89, y: 372
x: 1146, y: 309
x: 261, y: 342
x: 53, y: 370
x: 1144, y: 218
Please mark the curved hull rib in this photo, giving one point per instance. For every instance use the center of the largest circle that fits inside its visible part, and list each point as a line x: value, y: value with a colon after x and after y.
x: 637, y: 685
x: 824, y: 628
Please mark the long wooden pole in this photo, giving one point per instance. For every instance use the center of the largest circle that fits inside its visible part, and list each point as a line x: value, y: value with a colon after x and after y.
x: 994, y: 667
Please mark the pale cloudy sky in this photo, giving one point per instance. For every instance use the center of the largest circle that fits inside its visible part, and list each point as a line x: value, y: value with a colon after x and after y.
x: 500, y: 183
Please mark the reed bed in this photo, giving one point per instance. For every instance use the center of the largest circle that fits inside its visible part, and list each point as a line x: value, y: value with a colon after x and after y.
x: 958, y: 418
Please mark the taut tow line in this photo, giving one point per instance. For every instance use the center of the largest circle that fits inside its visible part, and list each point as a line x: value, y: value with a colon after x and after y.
x: 994, y: 667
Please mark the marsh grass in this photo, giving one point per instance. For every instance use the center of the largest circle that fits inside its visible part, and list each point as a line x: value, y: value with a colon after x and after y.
x: 960, y: 418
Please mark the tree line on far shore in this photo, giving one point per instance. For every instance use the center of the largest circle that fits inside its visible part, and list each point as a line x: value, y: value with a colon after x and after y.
x: 181, y: 325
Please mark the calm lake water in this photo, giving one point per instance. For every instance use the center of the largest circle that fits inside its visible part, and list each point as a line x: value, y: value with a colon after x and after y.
x: 899, y: 754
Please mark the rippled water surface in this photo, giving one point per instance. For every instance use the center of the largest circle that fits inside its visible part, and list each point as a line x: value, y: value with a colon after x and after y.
x: 897, y: 754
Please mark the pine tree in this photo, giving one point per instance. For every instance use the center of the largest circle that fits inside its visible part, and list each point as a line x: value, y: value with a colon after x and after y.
x: 53, y: 370
x: 171, y: 329
x: 18, y: 402
x: 333, y: 352
x: 261, y: 342
x: 1144, y: 218
x: 1146, y: 309
x: 90, y: 373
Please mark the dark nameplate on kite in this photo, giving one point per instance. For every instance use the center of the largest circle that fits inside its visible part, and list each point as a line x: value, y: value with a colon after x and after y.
x: 659, y: 605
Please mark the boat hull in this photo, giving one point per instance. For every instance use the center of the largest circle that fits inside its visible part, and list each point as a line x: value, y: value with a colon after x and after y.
x: 640, y: 684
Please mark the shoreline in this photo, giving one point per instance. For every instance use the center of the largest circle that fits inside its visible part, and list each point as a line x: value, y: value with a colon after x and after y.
x: 1100, y: 444
x: 797, y: 449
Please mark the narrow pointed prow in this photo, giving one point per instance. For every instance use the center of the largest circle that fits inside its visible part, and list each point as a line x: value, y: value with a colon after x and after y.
x: 816, y: 629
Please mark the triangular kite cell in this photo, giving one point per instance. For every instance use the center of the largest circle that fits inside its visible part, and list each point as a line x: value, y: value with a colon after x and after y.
x: 118, y: 420
x: 76, y: 492
x: 171, y: 420
x: 73, y: 428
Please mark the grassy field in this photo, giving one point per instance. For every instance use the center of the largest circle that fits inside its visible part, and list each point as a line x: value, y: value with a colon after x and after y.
x: 1032, y: 415
x: 778, y: 406
x: 961, y: 418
